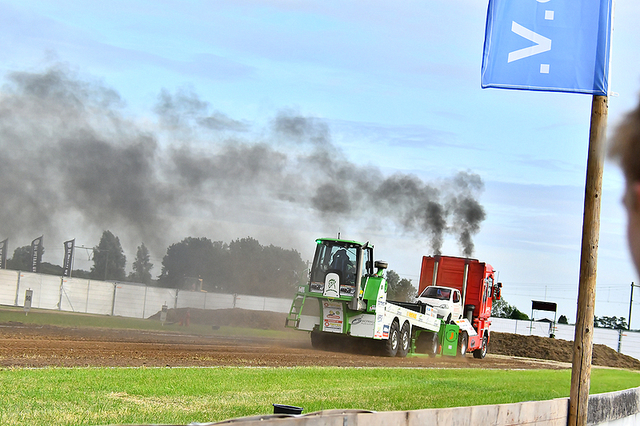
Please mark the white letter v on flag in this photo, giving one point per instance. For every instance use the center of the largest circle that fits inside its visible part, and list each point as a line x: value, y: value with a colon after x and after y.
x: 542, y: 44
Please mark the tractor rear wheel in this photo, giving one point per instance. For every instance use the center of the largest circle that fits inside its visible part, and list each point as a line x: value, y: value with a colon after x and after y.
x: 405, y: 340
x: 482, y: 352
x: 393, y: 342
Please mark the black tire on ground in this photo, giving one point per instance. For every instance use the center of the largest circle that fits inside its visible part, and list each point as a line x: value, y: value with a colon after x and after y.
x: 482, y: 352
x: 433, y: 348
x: 462, y: 344
x: 393, y: 342
x: 318, y: 340
x: 405, y: 340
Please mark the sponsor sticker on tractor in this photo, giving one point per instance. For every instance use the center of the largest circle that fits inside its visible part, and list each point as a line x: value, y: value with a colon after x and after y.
x: 377, y: 333
x: 332, y: 316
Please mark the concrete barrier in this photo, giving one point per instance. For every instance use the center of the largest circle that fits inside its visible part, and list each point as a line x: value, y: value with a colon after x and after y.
x: 610, y: 409
x: 620, y: 408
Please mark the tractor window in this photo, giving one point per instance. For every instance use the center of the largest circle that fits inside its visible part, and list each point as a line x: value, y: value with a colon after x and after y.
x: 344, y: 260
x: 335, y: 258
x: 320, y: 263
x: 456, y: 297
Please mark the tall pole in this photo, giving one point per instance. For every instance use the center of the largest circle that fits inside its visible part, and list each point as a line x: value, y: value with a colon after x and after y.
x: 583, y: 341
x: 73, y: 255
x: 631, y: 303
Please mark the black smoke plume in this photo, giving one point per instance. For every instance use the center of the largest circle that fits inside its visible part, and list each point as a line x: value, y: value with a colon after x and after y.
x: 73, y: 159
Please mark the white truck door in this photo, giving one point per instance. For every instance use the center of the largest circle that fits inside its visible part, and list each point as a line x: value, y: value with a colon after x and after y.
x: 456, y: 306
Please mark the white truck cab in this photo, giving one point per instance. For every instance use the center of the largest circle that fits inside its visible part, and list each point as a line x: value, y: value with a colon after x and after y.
x: 446, y: 302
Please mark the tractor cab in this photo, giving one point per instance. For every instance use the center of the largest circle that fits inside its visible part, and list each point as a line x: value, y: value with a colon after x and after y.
x: 340, y: 268
x: 344, y: 269
x: 335, y: 268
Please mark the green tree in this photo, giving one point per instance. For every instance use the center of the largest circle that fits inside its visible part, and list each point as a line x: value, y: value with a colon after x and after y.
x: 243, y: 266
x: 189, y: 259
x: 108, y: 259
x: 502, y: 309
x: 399, y: 289
x: 50, y: 269
x: 247, y: 266
x: 81, y: 273
x: 518, y: 315
x: 287, y: 269
x: 264, y: 270
x: 563, y: 320
x: 142, y: 266
x: 610, y: 322
x: 21, y: 259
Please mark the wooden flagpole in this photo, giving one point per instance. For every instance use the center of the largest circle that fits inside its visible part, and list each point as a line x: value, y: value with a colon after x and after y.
x: 583, y: 340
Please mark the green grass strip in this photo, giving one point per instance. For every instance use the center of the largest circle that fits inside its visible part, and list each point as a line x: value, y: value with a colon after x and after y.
x: 100, y: 396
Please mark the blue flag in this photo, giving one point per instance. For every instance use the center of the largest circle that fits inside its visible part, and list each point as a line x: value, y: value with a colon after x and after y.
x: 551, y: 45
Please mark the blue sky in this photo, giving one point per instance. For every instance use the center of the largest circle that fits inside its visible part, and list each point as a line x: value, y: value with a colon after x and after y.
x: 398, y: 86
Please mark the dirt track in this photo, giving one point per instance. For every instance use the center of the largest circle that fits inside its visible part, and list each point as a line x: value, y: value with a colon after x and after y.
x: 27, y: 345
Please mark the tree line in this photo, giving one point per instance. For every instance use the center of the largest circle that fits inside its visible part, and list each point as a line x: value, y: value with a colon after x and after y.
x: 242, y: 266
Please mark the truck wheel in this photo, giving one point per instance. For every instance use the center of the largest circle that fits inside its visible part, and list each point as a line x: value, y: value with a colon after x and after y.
x: 405, y: 340
x: 434, y: 345
x: 393, y: 342
x: 462, y: 344
x: 482, y: 352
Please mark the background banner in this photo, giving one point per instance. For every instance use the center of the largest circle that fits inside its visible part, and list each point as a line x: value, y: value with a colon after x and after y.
x: 67, y: 263
x: 548, y: 45
x: 36, y: 253
x: 3, y: 254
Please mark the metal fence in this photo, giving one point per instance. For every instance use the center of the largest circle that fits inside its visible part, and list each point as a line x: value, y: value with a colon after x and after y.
x: 141, y: 301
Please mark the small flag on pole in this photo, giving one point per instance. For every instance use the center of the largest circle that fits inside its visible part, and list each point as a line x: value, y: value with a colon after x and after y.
x: 36, y: 253
x: 67, y: 263
x: 3, y: 253
x: 558, y: 46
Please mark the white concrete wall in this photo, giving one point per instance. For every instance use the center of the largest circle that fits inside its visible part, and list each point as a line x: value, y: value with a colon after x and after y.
x: 8, y: 286
x: 46, y: 290
x: 129, y: 300
x: 219, y: 301
x: 192, y: 299
x: 75, y: 295
x: 100, y: 297
x: 258, y: 303
x: 155, y: 298
x: 631, y: 345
